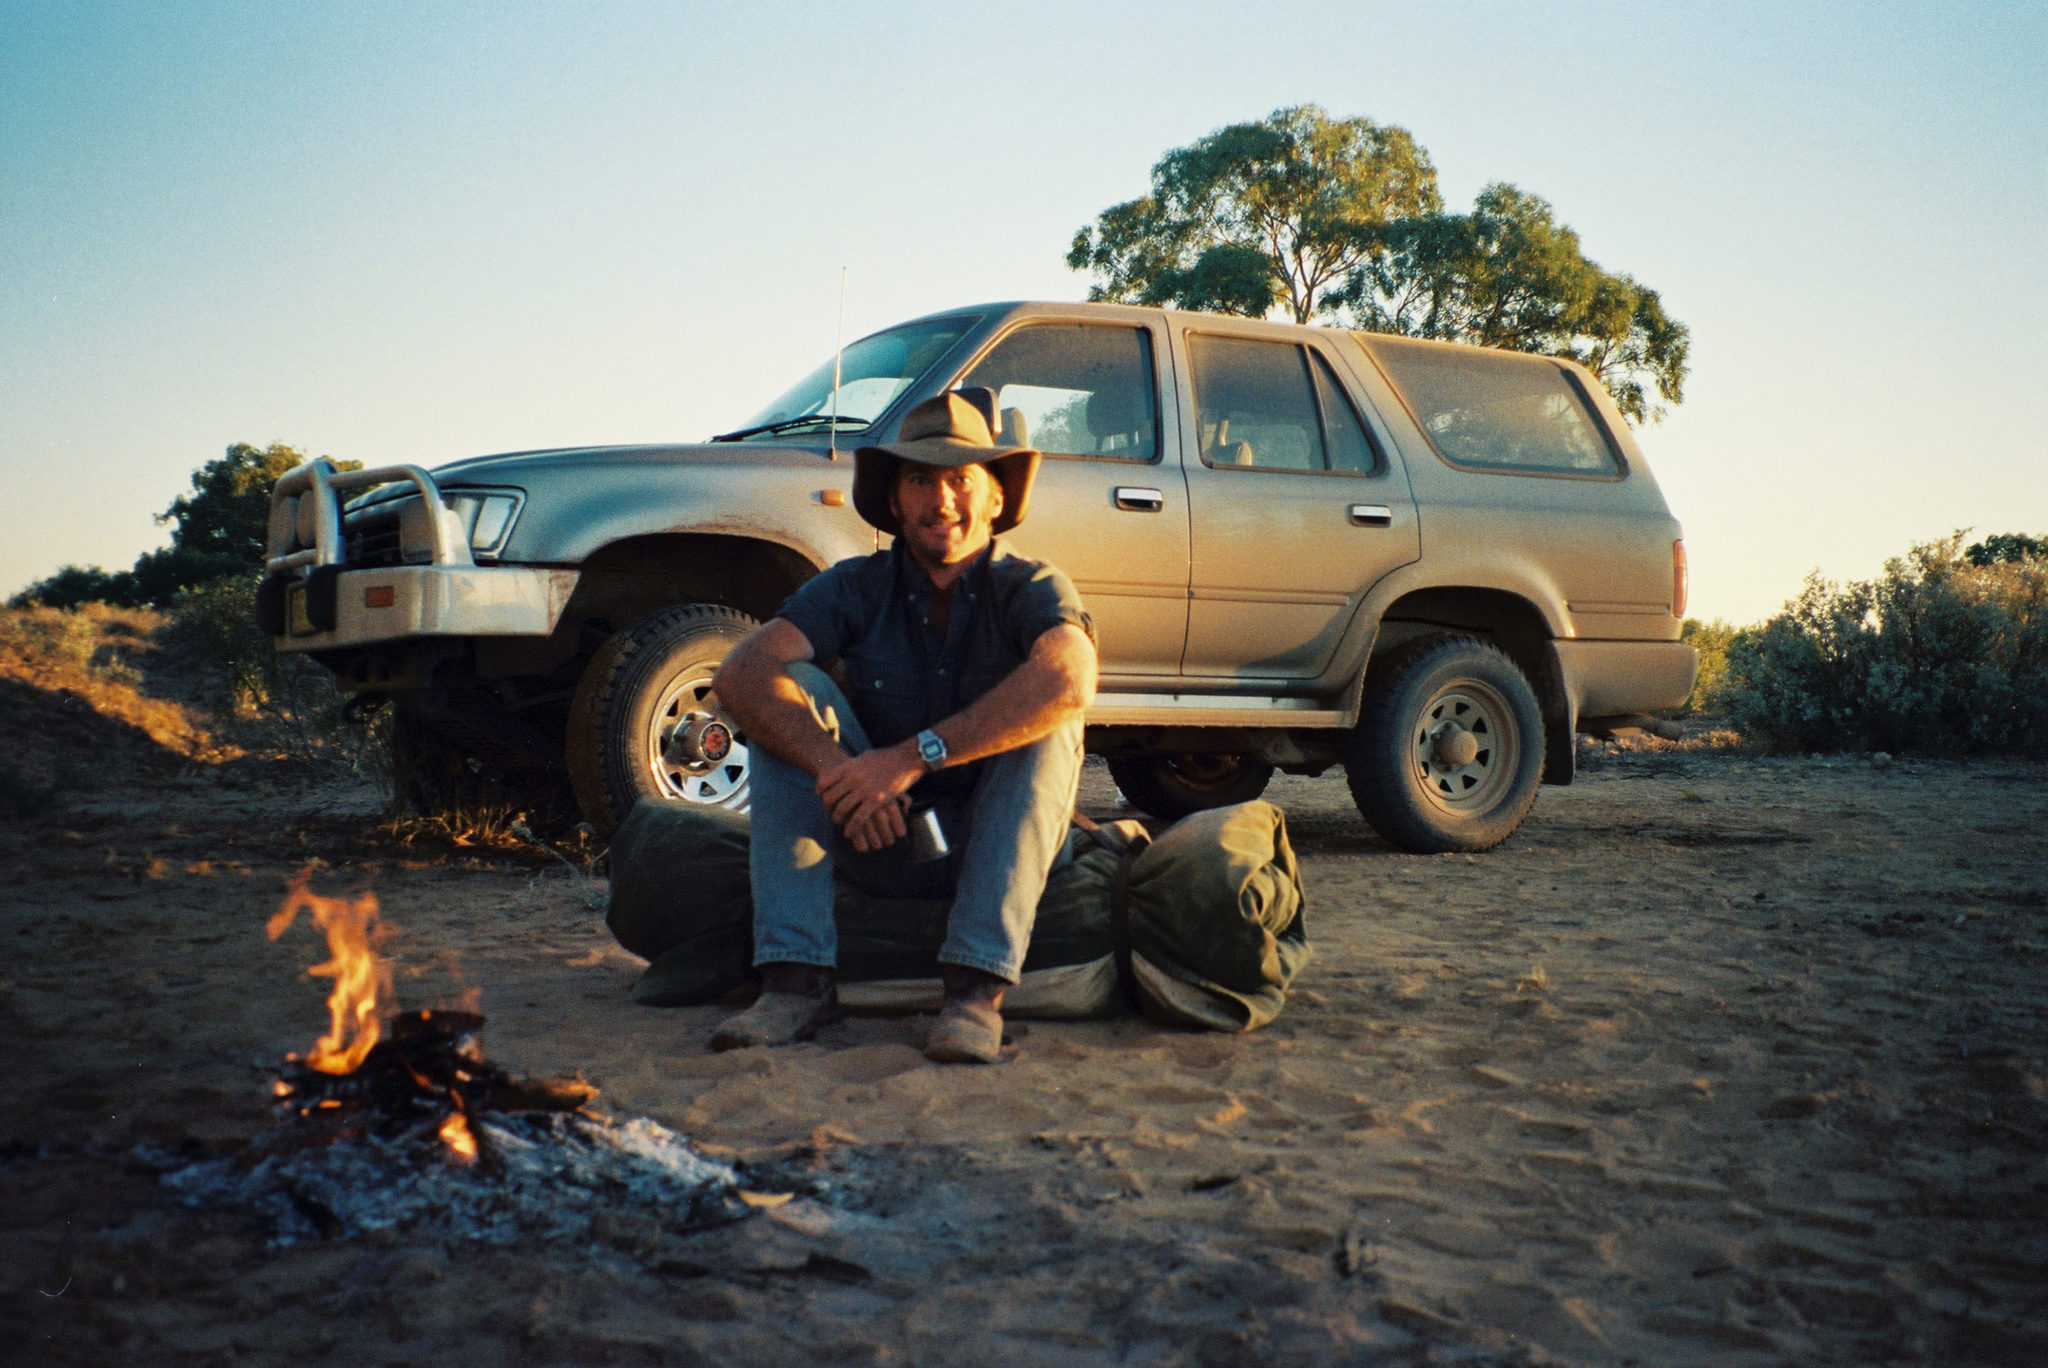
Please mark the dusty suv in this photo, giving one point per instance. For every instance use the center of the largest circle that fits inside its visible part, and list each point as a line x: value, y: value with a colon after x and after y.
x: 1302, y: 548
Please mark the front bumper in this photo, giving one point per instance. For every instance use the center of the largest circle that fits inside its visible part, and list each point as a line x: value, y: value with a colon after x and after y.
x: 377, y: 606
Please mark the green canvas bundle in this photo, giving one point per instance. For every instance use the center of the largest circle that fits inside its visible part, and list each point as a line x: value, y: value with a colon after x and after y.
x: 1202, y: 925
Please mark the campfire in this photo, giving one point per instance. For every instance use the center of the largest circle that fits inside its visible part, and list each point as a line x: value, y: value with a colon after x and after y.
x: 422, y: 1072
x: 395, y: 1119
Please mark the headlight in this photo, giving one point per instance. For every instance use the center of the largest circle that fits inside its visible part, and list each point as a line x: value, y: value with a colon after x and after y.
x: 484, y: 518
x: 487, y: 518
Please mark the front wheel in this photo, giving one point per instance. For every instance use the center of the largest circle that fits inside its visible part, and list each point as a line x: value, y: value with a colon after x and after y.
x: 645, y: 724
x: 1448, y: 749
x: 1172, y: 786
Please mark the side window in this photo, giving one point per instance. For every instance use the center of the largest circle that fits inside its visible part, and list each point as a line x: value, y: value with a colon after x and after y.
x: 1499, y: 410
x: 1075, y: 390
x: 1254, y: 405
x: 1350, y: 448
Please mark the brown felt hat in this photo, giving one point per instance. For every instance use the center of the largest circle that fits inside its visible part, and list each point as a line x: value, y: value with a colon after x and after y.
x: 951, y: 429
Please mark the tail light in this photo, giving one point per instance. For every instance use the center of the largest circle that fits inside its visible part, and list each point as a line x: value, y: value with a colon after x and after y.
x: 1681, y: 581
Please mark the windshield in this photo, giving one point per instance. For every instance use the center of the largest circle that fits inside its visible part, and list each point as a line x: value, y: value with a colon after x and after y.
x: 872, y: 373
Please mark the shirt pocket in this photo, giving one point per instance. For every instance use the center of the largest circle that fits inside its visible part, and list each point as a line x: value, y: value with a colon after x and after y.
x: 887, y: 698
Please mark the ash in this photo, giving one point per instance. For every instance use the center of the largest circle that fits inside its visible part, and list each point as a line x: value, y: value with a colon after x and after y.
x: 545, y: 1175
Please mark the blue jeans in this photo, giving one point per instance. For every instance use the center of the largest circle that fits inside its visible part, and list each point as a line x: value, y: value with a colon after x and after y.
x: 1006, y: 838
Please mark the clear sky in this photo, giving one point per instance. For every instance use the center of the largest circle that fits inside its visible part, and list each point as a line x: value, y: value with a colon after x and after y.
x: 418, y: 231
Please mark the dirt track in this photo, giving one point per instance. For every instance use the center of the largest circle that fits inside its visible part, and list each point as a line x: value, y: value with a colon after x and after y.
x: 1721, y: 1060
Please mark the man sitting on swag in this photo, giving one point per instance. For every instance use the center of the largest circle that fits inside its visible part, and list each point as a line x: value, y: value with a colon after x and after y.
x: 968, y: 668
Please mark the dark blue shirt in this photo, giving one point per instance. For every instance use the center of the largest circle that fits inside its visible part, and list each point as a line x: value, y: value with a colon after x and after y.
x: 874, y: 614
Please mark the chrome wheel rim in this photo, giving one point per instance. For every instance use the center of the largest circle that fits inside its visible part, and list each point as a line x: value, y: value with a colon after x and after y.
x: 689, y: 708
x: 1465, y: 751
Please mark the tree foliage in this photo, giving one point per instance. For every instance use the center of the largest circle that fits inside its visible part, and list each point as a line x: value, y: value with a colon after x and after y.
x: 1271, y: 212
x: 222, y: 527
x: 2006, y: 548
x: 1342, y: 218
x: 1509, y: 275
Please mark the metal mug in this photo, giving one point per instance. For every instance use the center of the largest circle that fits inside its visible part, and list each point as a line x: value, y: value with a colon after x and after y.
x: 927, y: 837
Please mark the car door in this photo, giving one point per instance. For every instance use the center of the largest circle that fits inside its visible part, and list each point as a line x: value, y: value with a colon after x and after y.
x: 1297, y: 506
x: 1110, y: 503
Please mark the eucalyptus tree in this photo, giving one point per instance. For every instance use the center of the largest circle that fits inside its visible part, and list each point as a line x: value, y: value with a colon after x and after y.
x: 1257, y: 215
x: 1508, y: 274
x: 1342, y: 219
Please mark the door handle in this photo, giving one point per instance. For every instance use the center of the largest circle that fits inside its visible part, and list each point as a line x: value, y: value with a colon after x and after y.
x: 1371, y: 515
x: 1134, y: 499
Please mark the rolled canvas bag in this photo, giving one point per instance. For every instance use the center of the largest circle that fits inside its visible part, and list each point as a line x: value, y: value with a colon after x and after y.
x: 1214, y: 911
x: 681, y: 898
x: 1205, y: 926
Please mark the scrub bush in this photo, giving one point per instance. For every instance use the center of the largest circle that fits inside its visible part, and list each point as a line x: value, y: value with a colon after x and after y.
x: 1711, y: 640
x: 1939, y: 655
x: 301, y: 713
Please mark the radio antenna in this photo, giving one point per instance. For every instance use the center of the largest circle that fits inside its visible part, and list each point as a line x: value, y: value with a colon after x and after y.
x: 838, y: 352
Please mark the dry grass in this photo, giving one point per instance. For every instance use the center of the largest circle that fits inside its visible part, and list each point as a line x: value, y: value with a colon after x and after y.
x: 482, y: 827
x: 95, y: 656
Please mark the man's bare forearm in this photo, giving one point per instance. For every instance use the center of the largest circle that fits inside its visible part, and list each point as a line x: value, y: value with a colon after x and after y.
x: 1052, y: 687
x: 756, y: 691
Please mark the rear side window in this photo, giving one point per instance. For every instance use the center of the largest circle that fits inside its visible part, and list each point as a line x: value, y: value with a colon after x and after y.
x: 1499, y: 410
x: 1074, y: 390
x: 1274, y: 406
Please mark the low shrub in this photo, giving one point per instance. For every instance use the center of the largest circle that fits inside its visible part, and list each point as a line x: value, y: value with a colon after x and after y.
x: 1711, y: 640
x: 294, y: 699
x: 1941, y: 654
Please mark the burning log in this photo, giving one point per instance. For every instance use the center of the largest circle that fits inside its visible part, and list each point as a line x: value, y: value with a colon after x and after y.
x: 424, y: 1070
x: 397, y: 1120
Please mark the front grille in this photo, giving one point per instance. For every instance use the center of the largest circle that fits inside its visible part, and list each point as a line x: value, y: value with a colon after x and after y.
x: 370, y: 538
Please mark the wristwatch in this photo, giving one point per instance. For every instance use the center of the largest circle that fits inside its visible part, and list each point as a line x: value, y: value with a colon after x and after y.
x: 932, y: 749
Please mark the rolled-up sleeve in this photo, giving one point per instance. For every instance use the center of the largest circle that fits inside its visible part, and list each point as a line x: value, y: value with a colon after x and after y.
x: 1040, y: 602
x: 824, y: 609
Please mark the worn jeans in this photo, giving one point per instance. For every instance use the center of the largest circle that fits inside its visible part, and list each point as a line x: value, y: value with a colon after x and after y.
x: 1006, y: 838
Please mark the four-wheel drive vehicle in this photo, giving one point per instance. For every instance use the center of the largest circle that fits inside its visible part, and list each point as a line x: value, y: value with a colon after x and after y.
x: 1302, y: 547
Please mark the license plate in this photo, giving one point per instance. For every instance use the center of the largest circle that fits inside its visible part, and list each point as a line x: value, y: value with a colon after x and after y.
x: 296, y: 621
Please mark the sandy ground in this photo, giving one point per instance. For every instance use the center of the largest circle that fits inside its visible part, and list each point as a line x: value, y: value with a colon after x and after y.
x: 1721, y: 1060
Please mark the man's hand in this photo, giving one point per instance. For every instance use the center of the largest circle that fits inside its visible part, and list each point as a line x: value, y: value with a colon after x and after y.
x: 867, y: 795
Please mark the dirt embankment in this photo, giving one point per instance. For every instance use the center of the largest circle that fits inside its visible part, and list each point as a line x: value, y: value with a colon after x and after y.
x: 1721, y: 1060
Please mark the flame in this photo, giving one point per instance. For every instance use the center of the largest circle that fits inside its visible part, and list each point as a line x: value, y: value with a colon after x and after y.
x: 362, y: 977
x: 455, y: 1130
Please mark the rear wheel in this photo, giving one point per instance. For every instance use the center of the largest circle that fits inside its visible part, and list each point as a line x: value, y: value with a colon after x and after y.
x: 645, y: 724
x: 1172, y: 786
x: 1448, y: 750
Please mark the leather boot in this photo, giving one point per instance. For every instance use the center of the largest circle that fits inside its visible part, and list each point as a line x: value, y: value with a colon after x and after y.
x: 970, y: 1026
x: 796, y: 1001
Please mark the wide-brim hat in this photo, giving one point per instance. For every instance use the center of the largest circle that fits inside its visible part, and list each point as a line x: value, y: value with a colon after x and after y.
x: 951, y: 429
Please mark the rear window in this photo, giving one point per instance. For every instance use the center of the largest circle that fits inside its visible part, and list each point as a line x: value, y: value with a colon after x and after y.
x: 1498, y: 410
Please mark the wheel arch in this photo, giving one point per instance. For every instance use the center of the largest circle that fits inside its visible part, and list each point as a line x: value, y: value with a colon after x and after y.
x: 625, y: 580
x: 1513, y: 623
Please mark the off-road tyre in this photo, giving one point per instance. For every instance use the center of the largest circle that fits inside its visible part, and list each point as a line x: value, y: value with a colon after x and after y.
x: 1172, y: 786
x: 643, y: 683
x: 1406, y: 787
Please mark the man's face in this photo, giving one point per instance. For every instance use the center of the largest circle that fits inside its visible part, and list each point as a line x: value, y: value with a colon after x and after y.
x: 945, y: 511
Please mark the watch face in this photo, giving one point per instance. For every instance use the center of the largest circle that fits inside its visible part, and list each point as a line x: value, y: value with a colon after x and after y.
x: 932, y: 749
